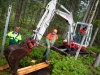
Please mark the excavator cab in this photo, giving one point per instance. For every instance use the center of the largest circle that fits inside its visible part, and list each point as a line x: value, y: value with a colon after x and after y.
x: 71, y: 44
x: 78, y: 36
x: 74, y: 43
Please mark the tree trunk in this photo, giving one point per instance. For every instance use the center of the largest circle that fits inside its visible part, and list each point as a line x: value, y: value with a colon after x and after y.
x: 94, y: 36
x: 30, y: 23
x: 87, y: 11
x: 3, y: 13
x: 3, y: 9
x: 97, y: 62
x: 77, y: 53
x: 44, y: 4
x: 24, y: 10
x: 6, y: 28
x: 18, y: 12
x: 97, y: 13
x: 90, y: 11
x: 72, y: 6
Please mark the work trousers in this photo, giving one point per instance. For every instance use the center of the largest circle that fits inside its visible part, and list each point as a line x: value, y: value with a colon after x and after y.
x: 47, y: 51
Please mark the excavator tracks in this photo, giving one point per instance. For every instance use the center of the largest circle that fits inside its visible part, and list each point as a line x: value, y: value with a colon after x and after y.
x: 64, y: 51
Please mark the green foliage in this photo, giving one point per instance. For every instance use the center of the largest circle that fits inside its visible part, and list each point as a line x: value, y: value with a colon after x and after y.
x: 1, y: 38
x: 67, y: 65
x: 25, y: 33
x: 70, y: 67
x: 25, y: 61
x: 93, y: 49
x: 39, y: 6
x: 97, y: 22
x: 87, y: 60
x: 6, y: 72
x: 36, y: 54
x: 60, y: 40
x: 3, y: 61
x: 95, y: 71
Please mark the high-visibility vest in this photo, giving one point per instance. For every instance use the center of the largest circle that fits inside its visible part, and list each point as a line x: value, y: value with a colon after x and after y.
x: 14, y: 40
x: 51, y: 37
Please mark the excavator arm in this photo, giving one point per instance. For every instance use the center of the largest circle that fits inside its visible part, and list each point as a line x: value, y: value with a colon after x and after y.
x: 47, y: 17
x: 68, y: 17
x: 45, y: 20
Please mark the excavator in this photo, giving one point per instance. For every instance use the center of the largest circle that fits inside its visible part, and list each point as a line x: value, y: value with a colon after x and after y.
x: 14, y: 53
x: 73, y: 40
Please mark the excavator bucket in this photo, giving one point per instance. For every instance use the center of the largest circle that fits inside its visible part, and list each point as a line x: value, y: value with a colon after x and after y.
x: 14, y: 53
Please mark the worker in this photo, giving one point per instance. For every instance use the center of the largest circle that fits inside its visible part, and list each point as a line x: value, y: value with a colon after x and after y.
x: 14, y: 36
x: 50, y: 40
x: 82, y: 33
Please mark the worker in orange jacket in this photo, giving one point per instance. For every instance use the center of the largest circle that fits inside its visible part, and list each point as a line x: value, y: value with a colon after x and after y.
x: 82, y: 33
x: 50, y: 40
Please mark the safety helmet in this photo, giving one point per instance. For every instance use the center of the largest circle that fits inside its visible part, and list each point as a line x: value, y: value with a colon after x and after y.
x: 55, y: 30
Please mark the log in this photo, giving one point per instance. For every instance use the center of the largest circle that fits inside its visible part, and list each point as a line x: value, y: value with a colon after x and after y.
x: 4, y: 67
x: 57, y: 50
x: 32, y: 68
